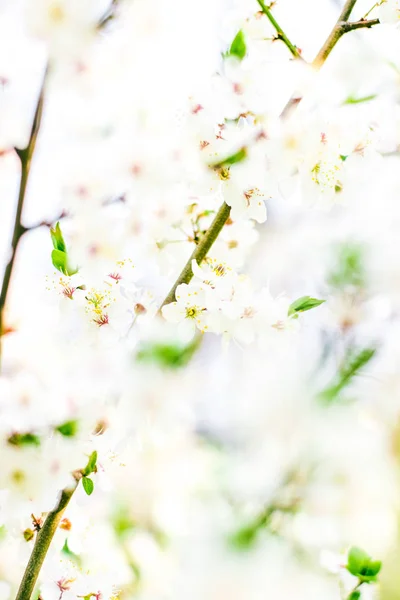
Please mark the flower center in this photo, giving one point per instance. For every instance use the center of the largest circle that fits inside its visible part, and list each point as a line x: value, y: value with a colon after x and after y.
x: 191, y: 312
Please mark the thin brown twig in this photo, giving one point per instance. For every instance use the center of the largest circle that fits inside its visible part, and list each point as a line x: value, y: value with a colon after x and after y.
x: 25, y: 157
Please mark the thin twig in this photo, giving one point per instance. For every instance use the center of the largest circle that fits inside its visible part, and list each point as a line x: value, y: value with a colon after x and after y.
x: 361, y: 24
x: 25, y: 157
x: 201, y: 250
x: 281, y: 34
x: 108, y: 16
x: 42, y: 544
x: 341, y: 27
x: 372, y: 8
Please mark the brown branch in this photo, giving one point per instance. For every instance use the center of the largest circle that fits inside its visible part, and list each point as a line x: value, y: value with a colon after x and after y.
x: 361, y: 24
x: 341, y: 27
x: 25, y: 157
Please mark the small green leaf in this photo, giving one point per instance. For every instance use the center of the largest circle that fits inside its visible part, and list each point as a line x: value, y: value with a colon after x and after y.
x: 304, y: 303
x: 238, y: 47
x: 91, y: 466
x: 24, y: 439
x: 171, y: 356
x: 59, y: 255
x: 237, y: 157
x: 354, y: 100
x: 349, y: 269
x: 122, y: 523
x: 57, y: 238
x: 88, y: 485
x: 372, y: 569
x: 60, y: 261
x: 354, y: 595
x: 357, y: 559
x: 244, y: 538
x: 68, y: 429
x: 71, y: 555
x: 352, y: 365
x: 28, y: 534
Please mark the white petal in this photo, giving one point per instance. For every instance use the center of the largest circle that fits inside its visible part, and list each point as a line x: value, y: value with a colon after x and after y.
x: 173, y: 312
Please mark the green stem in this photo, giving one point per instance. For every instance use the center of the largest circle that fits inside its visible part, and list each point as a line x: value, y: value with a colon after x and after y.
x: 25, y: 157
x: 281, y: 34
x: 201, y: 250
x: 42, y: 543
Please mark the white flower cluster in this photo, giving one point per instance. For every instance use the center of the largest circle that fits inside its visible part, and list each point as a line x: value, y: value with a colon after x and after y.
x: 237, y: 437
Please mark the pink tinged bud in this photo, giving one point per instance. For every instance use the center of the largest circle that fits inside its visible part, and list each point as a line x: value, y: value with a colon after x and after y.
x: 197, y: 109
x: 139, y: 309
x: 136, y: 170
x: 238, y: 89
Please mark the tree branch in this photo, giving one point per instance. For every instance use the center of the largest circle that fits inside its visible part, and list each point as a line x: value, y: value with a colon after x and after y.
x: 361, y: 24
x: 25, y: 157
x: 201, y: 250
x: 108, y: 16
x: 341, y: 27
x: 42, y: 544
x: 281, y: 34
x: 346, y: 10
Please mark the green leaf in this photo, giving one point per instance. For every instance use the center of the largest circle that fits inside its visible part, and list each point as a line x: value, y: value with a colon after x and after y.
x: 24, y: 439
x: 57, y: 238
x: 60, y: 261
x: 238, y: 47
x: 357, y: 559
x: 59, y: 255
x: 68, y: 429
x: 88, y: 485
x: 237, y: 157
x: 349, y: 269
x: 244, y: 538
x: 304, y: 303
x: 354, y: 362
x: 372, y: 569
x: 122, y: 522
x: 28, y: 534
x: 353, y: 100
x: 91, y: 465
x: 171, y: 356
x: 71, y: 555
x: 354, y: 595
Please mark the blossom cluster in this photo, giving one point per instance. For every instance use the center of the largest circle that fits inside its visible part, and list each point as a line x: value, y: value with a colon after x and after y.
x: 200, y: 303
